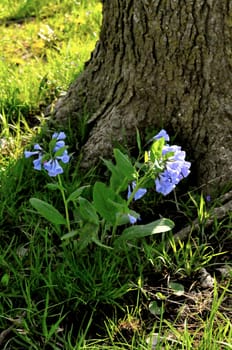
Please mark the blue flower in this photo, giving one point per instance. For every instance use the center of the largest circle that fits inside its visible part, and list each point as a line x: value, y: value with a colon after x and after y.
x: 65, y: 157
x: 162, y: 133
x: 138, y: 194
x: 52, y: 166
x: 176, y: 168
x: 59, y: 136
x: 38, y: 163
x: 59, y: 145
x: 37, y: 149
x: 164, y: 183
x: 132, y: 219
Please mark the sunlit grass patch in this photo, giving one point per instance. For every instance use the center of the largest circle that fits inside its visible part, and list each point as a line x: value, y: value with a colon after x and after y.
x: 43, y: 48
x: 52, y: 47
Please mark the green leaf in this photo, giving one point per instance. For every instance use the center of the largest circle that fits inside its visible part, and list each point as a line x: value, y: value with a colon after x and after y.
x: 140, y: 231
x: 116, y: 178
x: 124, y: 164
x: 52, y: 145
x: 53, y: 186
x: 138, y: 139
x: 48, y: 211
x: 87, y: 211
x: 177, y: 288
x: 5, y: 279
x: 70, y: 234
x: 60, y: 151
x: 102, y: 200
x: 88, y: 234
x: 155, y: 309
x: 76, y: 194
x: 100, y: 244
x: 122, y: 172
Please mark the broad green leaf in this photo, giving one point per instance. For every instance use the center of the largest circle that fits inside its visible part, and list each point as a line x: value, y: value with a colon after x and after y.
x: 48, y: 211
x: 76, y: 194
x: 155, y: 309
x: 178, y: 289
x: 88, y: 234
x: 5, y: 279
x: 124, y: 164
x: 116, y: 176
x: 122, y: 172
x: 140, y: 231
x: 87, y: 211
x: 102, y: 197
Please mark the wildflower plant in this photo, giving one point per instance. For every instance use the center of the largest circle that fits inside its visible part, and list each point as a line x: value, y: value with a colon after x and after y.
x: 51, y: 161
x: 98, y: 220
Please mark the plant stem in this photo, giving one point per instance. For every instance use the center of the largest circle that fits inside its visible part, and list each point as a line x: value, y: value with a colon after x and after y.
x: 65, y: 203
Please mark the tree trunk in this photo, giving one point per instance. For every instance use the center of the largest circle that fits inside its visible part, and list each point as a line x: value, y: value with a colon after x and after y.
x: 160, y: 64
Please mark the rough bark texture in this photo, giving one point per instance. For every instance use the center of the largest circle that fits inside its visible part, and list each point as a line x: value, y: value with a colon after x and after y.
x: 160, y: 63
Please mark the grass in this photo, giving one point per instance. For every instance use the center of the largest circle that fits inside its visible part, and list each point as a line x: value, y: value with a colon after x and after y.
x: 54, y: 296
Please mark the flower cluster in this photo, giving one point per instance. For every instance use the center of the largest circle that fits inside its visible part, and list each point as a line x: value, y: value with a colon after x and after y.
x: 176, y: 167
x: 172, y: 168
x: 50, y: 162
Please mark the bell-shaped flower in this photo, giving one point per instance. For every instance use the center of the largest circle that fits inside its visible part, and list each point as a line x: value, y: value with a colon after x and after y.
x: 132, y: 219
x: 59, y: 145
x: 164, y: 183
x: 53, y: 167
x: 163, y: 133
x: 59, y: 136
x: 38, y: 163
x: 37, y: 148
x: 138, y: 194
x: 64, y: 158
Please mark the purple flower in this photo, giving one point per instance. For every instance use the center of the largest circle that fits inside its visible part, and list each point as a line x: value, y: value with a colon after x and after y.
x: 138, y: 194
x: 162, y: 133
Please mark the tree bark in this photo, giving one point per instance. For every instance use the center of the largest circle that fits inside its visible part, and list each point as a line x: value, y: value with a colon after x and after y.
x: 159, y: 64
